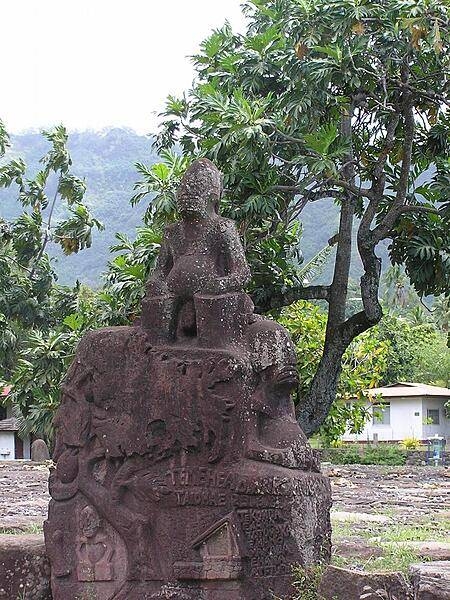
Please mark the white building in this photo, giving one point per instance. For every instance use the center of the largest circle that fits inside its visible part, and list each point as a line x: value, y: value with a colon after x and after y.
x: 12, y: 447
x: 406, y: 410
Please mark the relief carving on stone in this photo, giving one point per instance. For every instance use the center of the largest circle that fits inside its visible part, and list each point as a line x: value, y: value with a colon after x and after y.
x: 179, y: 462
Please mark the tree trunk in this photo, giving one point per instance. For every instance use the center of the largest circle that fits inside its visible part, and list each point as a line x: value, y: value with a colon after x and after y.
x: 313, y: 408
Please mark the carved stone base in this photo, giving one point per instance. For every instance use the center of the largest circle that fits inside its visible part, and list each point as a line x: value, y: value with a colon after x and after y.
x: 236, y: 530
x: 181, y: 473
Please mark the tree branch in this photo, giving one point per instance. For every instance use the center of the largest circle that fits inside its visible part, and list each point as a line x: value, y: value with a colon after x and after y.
x: 382, y: 230
x: 352, y: 188
x: 47, y: 231
x: 309, y: 194
x: 379, y: 178
x: 411, y: 208
x: 311, y: 292
x: 428, y: 94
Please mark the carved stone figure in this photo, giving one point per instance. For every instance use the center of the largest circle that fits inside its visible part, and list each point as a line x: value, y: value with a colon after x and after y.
x: 181, y: 470
x: 95, y: 548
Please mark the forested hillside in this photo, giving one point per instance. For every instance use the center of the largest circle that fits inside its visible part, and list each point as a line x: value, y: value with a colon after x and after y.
x: 106, y: 160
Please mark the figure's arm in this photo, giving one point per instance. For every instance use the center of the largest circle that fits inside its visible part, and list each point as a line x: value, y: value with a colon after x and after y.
x: 234, y: 261
x: 156, y: 283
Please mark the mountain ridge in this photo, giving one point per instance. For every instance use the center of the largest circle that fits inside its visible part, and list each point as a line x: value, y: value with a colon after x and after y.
x: 106, y: 160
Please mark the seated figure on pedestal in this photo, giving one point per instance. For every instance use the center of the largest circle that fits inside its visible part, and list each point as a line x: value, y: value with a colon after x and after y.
x: 200, y: 255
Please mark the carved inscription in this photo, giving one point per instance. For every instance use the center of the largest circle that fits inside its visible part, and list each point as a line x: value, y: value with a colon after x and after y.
x: 203, y: 486
x: 264, y: 529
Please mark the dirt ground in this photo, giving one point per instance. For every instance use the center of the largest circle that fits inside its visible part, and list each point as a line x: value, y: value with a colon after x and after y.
x: 405, y: 492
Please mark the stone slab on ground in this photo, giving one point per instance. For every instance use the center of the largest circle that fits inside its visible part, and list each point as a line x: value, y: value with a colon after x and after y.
x: 24, y: 568
x: 431, y: 581
x: 436, y: 551
x: 358, y: 517
x: 346, y: 584
x: 403, y: 490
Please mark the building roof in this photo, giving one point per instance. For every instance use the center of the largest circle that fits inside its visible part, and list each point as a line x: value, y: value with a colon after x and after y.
x: 404, y: 389
x: 11, y: 424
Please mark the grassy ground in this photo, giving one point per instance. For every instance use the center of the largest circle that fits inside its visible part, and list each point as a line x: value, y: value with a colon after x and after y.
x: 29, y: 529
x: 386, y: 540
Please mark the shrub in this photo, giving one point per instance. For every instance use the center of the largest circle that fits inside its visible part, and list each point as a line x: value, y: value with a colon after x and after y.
x: 307, y: 581
x: 380, y: 454
x: 383, y: 454
x: 410, y: 444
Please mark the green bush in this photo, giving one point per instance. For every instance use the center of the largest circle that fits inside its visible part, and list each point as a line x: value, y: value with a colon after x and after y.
x: 384, y: 454
x: 380, y: 454
x: 343, y: 456
x: 307, y: 581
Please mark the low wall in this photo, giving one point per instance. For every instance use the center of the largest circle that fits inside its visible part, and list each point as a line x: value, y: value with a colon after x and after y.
x: 24, y: 568
x: 419, y: 457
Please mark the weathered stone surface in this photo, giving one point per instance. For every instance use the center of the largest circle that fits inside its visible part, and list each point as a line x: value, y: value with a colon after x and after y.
x: 345, y: 584
x: 356, y: 517
x: 181, y: 471
x: 39, y: 451
x: 359, y: 549
x: 431, y: 581
x: 24, y: 568
x: 436, y: 551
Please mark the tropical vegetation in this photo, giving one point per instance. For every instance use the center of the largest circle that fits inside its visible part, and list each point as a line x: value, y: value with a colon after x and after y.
x: 340, y: 103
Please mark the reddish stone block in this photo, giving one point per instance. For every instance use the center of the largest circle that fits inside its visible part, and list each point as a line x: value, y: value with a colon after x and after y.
x: 181, y: 471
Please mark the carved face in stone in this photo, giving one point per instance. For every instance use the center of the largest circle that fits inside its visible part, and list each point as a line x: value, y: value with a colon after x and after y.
x: 90, y: 522
x: 200, y: 190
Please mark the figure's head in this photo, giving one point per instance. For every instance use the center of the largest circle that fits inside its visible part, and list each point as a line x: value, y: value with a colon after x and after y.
x: 90, y: 522
x: 200, y: 190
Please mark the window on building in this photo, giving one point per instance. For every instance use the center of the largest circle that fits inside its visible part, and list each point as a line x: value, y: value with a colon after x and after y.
x: 382, y: 414
x: 433, y: 416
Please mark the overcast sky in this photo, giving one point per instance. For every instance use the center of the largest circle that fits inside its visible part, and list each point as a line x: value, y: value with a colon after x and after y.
x: 99, y: 63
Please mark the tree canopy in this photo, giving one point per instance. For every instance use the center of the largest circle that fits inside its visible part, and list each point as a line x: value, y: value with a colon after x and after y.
x: 342, y: 101
x: 334, y: 102
x: 34, y: 348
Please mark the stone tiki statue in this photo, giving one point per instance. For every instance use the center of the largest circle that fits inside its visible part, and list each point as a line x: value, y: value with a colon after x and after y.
x: 181, y: 472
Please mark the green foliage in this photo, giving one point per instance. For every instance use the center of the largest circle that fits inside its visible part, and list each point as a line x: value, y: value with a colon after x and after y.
x: 159, y: 183
x: 363, y: 367
x: 268, y: 106
x: 105, y: 161
x: 357, y: 454
x: 395, y: 350
x: 307, y: 581
x: 35, y: 348
x: 417, y: 352
x: 37, y: 377
x: 128, y: 271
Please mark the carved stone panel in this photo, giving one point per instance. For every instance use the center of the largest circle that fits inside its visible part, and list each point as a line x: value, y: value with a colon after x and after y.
x: 181, y: 471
